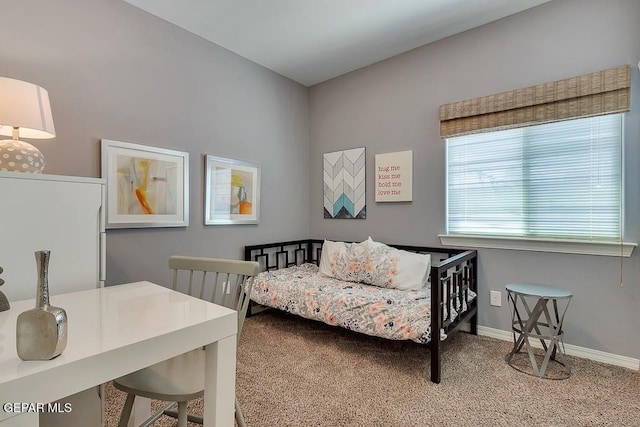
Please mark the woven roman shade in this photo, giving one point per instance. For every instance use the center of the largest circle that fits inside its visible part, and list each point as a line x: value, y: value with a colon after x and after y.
x: 602, y: 92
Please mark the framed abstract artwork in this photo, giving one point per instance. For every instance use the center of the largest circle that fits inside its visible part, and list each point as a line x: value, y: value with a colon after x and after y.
x: 344, y: 184
x: 232, y: 191
x: 146, y: 186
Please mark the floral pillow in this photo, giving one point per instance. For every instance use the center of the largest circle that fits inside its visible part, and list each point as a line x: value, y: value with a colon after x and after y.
x: 395, y: 268
x: 375, y: 264
x: 345, y: 261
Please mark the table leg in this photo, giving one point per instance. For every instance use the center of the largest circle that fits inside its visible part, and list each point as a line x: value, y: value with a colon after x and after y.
x: 536, y: 316
x: 141, y: 411
x: 552, y: 342
x: 526, y: 328
x: 556, y: 335
x: 532, y: 323
x: 514, y: 315
x: 558, y: 324
x: 220, y: 383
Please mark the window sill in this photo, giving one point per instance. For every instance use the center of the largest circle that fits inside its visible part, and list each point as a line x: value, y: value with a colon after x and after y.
x: 584, y: 247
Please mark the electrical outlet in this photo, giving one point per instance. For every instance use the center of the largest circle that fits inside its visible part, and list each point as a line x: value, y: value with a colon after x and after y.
x: 496, y: 298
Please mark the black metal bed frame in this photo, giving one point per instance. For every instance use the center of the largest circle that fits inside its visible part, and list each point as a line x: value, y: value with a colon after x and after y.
x: 457, y: 274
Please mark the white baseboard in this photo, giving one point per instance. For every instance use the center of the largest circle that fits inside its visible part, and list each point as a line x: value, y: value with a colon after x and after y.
x: 571, y: 350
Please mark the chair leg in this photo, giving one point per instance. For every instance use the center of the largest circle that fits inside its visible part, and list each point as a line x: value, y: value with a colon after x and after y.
x: 182, y: 414
x: 239, y: 417
x: 126, y: 410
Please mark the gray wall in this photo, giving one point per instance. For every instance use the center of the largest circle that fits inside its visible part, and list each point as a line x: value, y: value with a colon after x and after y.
x: 393, y: 106
x: 116, y: 72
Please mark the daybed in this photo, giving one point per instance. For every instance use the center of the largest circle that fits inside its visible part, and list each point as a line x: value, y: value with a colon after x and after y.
x: 290, y: 281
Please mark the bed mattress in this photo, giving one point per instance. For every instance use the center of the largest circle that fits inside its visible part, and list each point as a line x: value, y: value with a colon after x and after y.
x: 382, y: 312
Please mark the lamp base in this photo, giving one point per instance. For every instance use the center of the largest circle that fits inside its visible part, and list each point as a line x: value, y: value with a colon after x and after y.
x: 20, y: 156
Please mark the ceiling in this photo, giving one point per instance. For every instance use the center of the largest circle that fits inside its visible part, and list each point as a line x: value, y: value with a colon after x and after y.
x: 311, y: 41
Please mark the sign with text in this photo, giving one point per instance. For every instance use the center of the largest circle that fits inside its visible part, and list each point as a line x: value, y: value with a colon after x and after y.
x: 394, y: 177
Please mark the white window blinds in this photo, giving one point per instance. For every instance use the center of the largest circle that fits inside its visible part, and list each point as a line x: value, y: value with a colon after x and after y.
x: 557, y: 180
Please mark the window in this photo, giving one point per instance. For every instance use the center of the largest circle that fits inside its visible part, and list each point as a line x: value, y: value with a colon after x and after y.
x: 559, y: 180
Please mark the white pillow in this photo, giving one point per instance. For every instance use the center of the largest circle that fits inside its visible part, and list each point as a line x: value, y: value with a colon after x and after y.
x: 398, y: 269
x: 374, y: 263
x: 373, y: 244
x: 330, y: 251
x: 345, y: 261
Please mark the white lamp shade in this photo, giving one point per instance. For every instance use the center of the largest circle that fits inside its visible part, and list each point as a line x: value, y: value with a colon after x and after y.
x: 26, y: 106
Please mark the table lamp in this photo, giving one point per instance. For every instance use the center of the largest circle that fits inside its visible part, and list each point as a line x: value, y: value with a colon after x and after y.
x: 24, y: 112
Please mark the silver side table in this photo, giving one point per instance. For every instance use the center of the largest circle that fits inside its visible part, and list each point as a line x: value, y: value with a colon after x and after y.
x: 537, y: 313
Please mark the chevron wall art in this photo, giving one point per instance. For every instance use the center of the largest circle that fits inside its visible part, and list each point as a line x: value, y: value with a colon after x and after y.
x: 344, y: 184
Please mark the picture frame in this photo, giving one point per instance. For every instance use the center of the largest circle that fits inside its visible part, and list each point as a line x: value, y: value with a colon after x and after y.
x: 146, y: 186
x: 394, y: 176
x: 232, y: 191
x: 344, y: 177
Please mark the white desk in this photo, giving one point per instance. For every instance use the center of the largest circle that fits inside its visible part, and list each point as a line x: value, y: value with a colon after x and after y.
x: 117, y: 330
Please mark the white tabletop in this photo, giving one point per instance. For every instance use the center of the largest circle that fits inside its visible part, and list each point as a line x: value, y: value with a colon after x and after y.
x: 538, y: 290
x: 111, y: 331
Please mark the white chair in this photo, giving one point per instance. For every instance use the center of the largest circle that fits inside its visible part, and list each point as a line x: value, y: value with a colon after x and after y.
x: 181, y: 379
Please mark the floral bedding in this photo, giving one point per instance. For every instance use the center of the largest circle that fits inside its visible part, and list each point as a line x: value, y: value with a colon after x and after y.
x: 383, y: 312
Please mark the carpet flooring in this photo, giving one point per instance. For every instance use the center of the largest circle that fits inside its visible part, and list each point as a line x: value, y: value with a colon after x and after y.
x: 297, y: 372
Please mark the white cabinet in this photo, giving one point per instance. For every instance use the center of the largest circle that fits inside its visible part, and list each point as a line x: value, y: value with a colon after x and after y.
x: 49, y: 212
x: 64, y: 215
